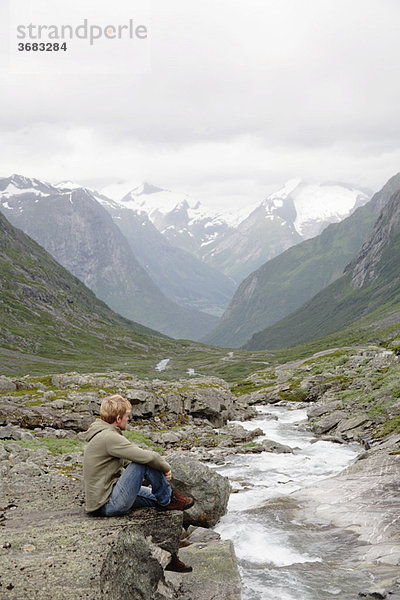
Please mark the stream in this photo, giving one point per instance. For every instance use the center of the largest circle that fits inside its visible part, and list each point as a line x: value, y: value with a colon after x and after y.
x: 281, y: 557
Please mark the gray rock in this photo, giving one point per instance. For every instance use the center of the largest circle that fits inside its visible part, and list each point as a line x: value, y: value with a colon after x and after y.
x: 201, y: 534
x: 261, y: 397
x: 169, y: 437
x: 322, y: 409
x: 144, y: 403
x: 209, y: 489
x: 215, y: 572
x: 9, y: 433
x: 377, y: 594
x: 239, y: 434
x: 132, y: 568
x: 3, y: 453
x: 353, y: 423
x: 26, y: 469
x: 130, y: 571
x: 7, y: 385
x: 329, y: 422
x: 276, y: 447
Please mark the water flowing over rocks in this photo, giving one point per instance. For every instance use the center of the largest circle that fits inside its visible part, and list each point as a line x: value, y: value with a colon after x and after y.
x: 364, y: 498
x: 351, y: 395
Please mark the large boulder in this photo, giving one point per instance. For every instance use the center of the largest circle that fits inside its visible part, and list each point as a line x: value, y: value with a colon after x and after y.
x: 134, y: 565
x: 43, y: 416
x: 129, y: 570
x: 7, y: 385
x: 209, y: 489
x: 207, y: 398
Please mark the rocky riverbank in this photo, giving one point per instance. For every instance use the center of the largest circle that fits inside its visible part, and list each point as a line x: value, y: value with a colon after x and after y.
x: 49, y: 542
x: 351, y: 395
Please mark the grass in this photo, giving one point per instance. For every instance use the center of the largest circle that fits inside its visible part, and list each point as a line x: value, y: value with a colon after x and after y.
x: 297, y: 395
x: 65, y: 446
x: 244, y: 387
x: 54, y: 445
x: 140, y: 438
x: 391, y: 426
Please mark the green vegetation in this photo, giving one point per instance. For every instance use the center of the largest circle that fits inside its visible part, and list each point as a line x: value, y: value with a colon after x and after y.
x: 390, y: 427
x: 139, y: 438
x: 54, y: 445
x: 245, y: 387
x: 297, y: 395
x: 292, y: 278
x: 343, y: 312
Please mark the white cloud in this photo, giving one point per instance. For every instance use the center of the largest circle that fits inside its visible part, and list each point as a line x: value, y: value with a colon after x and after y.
x: 241, y: 97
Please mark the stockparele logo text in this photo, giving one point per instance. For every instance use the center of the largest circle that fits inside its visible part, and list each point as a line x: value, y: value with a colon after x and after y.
x: 84, y: 31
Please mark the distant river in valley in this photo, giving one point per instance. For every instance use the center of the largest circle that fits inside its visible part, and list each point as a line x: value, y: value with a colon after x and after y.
x: 281, y: 558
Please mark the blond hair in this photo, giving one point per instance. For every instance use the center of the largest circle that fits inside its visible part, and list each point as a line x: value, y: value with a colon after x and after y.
x: 114, y: 406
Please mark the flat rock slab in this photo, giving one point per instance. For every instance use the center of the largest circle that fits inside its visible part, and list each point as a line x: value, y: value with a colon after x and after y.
x: 215, y: 572
x: 60, y: 555
x: 51, y: 550
x: 364, y: 498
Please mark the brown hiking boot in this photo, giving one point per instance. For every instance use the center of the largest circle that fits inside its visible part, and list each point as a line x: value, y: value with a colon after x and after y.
x: 178, y: 502
x: 177, y: 565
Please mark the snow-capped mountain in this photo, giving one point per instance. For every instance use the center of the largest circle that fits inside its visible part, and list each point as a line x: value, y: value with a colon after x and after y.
x: 180, y: 274
x: 237, y: 242
x: 311, y: 207
x: 17, y: 184
x: 295, y: 212
x: 193, y: 254
x: 184, y: 222
x: 73, y: 226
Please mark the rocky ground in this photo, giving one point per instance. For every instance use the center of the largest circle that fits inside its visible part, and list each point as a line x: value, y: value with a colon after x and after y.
x: 51, y: 549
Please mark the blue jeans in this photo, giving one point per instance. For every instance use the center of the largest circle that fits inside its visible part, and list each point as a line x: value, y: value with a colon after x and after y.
x: 129, y: 493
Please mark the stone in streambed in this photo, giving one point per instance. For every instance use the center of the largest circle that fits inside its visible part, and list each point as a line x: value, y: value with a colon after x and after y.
x: 272, y: 446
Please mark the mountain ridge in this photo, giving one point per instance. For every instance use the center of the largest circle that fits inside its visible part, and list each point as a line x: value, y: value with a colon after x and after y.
x: 237, y: 242
x: 284, y: 283
x: 81, y: 235
x: 367, y: 295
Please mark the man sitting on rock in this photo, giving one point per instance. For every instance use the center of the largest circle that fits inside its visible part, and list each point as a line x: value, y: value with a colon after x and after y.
x: 114, y: 470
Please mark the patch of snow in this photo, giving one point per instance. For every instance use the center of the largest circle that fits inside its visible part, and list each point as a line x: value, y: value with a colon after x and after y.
x: 286, y: 190
x: 162, y: 365
x: 13, y: 190
x: 324, y: 202
x: 69, y: 185
x: 6, y: 205
x: 210, y: 239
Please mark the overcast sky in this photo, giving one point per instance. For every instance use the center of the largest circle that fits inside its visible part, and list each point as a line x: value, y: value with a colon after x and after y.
x: 240, y: 97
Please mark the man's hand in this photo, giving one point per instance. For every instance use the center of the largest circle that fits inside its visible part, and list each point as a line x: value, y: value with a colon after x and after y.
x: 168, y: 475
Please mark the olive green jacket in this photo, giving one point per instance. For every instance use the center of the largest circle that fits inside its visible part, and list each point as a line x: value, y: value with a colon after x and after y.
x: 105, y: 456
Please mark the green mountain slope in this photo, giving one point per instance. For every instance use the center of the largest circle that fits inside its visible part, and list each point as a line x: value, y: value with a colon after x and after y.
x: 46, y: 311
x: 50, y: 322
x: 366, y: 299
x: 286, y: 282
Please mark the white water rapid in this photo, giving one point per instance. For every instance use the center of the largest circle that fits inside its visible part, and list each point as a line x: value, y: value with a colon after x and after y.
x: 280, y: 557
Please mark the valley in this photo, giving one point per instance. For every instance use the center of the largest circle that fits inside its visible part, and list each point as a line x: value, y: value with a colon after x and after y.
x: 335, y: 359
